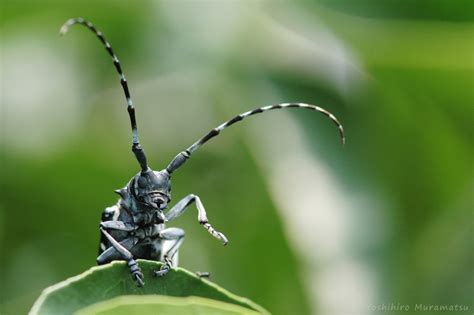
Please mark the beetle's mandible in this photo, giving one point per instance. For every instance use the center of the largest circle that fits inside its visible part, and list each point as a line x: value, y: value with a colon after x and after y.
x: 135, y: 226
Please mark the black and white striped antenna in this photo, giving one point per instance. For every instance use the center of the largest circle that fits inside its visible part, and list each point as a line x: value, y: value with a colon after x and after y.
x: 183, y: 156
x: 136, y: 147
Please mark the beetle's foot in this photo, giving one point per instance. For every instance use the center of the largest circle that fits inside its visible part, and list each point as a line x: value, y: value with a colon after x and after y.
x: 203, y: 274
x: 136, y: 272
x: 220, y: 236
x: 165, y: 268
x: 139, y: 280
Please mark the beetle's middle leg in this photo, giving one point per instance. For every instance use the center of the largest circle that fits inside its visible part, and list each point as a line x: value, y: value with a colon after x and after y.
x: 117, y: 251
x: 176, y: 236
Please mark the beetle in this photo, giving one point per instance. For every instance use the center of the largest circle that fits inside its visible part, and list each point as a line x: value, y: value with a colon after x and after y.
x: 135, y: 226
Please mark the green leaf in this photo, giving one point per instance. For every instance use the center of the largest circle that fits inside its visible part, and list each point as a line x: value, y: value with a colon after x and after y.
x: 102, y: 283
x: 163, y: 305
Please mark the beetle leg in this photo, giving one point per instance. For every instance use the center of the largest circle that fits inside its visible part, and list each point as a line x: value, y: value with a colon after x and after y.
x: 125, y: 254
x: 181, y: 207
x: 175, y: 235
x: 118, y: 225
x: 203, y: 274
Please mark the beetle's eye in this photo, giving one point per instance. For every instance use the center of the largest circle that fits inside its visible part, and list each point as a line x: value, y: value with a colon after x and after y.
x: 142, y: 182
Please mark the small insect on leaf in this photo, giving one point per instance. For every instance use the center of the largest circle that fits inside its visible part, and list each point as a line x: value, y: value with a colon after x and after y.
x: 139, y: 217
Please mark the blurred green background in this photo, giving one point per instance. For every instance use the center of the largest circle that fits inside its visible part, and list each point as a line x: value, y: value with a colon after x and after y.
x: 314, y: 228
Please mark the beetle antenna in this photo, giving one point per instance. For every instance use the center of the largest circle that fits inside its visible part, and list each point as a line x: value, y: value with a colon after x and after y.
x: 136, y: 147
x: 183, y: 156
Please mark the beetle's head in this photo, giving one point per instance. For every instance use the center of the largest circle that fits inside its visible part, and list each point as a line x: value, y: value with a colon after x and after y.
x: 151, y: 190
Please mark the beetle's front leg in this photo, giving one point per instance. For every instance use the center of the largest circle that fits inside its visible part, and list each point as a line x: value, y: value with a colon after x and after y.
x: 124, y: 253
x: 119, y: 226
x: 181, y: 207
